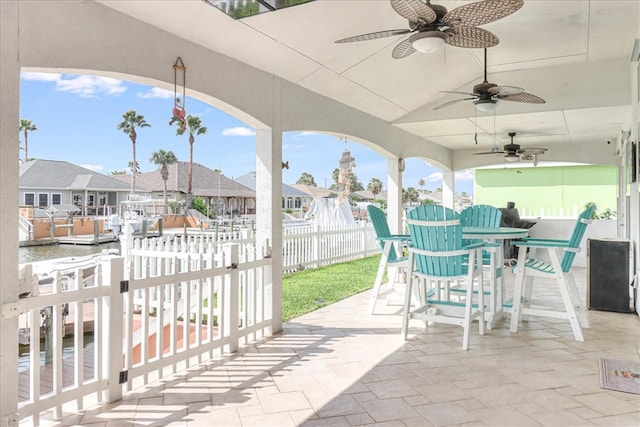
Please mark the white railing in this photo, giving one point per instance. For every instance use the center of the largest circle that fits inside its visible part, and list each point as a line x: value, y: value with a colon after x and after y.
x: 154, y: 312
x: 26, y: 228
x: 52, y: 379
x: 551, y: 213
x: 304, y: 246
x: 315, y: 246
x: 214, y: 300
x: 165, y: 304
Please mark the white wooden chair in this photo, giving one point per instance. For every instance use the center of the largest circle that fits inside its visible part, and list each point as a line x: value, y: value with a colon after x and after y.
x: 392, y: 257
x: 561, y: 254
x: 438, y: 257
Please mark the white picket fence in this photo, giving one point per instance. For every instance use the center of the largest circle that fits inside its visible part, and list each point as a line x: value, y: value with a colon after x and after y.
x: 161, y: 307
x: 315, y: 246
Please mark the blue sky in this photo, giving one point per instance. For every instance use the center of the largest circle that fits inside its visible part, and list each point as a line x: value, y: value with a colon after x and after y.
x: 77, y: 116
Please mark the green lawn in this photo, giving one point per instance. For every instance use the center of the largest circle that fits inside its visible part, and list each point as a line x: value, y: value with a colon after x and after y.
x: 308, y: 290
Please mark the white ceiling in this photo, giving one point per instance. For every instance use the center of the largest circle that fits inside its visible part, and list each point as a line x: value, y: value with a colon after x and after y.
x: 574, y: 54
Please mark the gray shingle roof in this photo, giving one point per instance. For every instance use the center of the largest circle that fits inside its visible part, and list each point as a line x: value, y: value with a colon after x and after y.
x: 205, y: 182
x: 313, y: 191
x: 61, y: 175
x: 249, y: 179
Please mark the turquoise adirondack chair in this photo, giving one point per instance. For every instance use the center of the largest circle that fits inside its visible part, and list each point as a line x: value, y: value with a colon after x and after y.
x: 391, y: 245
x: 485, y: 216
x: 437, y: 258
x: 481, y: 216
x: 561, y: 254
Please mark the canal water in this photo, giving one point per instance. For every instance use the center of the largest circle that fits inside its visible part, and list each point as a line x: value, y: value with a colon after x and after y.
x: 42, y: 253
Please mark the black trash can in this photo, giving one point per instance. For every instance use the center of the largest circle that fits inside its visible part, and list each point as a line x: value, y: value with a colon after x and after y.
x: 610, y: 275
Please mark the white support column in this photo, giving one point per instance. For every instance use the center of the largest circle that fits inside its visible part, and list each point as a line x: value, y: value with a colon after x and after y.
x: 633, y: 220
x: 448, y: 189
x: 268, y: 204
x: 9, y: 182
x: 394, y: 196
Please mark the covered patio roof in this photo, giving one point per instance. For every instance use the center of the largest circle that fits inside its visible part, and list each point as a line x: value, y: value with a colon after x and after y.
x: 573, y: 54
x: 282, y: 71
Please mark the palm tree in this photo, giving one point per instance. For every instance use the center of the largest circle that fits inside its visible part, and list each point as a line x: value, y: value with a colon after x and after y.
x: 194, y: 127
x: 130, y: 121
x: 306, y: 179
x: 26, y: 126
x: 163, y: 159
x: 410, y: 195
x: 133, y: 170
x: 375, y: 186
x: 354, y: 184
x: 421, y: 183
x: 335, y: 176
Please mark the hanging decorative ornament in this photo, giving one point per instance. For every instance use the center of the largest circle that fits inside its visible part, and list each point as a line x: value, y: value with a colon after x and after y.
x: 179, y: 99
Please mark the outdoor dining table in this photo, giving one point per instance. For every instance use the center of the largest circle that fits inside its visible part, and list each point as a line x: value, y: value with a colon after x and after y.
x: 496, y: 284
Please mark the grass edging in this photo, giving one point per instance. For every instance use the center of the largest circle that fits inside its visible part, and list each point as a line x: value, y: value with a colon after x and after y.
x: 308, y: 290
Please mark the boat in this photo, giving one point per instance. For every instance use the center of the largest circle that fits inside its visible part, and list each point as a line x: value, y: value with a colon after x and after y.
x: 133, y: 213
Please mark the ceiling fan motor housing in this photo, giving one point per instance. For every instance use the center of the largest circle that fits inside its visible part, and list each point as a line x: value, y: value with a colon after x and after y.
x: 483, y: 88
x: 512, y: 149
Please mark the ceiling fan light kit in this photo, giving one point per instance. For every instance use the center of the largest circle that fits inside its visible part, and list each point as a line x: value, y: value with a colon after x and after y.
x: 428, y: 41
x: 486, y: 105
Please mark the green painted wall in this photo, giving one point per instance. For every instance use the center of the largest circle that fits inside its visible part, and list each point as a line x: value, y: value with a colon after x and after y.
x: 548, y: 191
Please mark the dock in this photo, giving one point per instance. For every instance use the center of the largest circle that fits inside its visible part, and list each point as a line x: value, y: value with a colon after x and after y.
x: 87, y: 239
x: 46, y: 241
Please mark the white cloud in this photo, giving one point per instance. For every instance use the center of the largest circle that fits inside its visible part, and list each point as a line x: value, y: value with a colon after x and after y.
x: 292, y: 146
x: 85, y: 86
x: 155, y: 93
x: 40, y: 77
x: 465, y: 175
x: 434, y: 177
x: 305, y: 133
x: 95, y: 168
x: 90, y: 86
x: 238, y: 131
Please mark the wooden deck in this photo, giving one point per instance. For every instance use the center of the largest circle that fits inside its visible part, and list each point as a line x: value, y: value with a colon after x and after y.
x: 46, y: 375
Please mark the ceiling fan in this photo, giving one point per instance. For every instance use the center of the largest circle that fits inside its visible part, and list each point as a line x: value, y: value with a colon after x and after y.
x: 486, y: 95
x: 433, y: 25
x: 513, y: 152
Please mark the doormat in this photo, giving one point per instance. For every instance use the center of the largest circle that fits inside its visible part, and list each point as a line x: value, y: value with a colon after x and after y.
x: 620, y: 375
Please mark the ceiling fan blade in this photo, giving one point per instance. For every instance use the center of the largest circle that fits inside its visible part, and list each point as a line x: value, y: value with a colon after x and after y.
x: 523, y: 97
x: 403, y: 49
x: 490, y: 152
x: 503, y: 91
x: 482, y: 12
x: 455, y: 101
x: 470, y: 37
x: 534, y: 150
x: 458, y: 92
x: 373, y: 36
x: 414, y: 10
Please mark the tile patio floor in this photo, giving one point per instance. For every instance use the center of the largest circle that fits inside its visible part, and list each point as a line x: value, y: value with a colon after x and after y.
x: 340, y: 367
